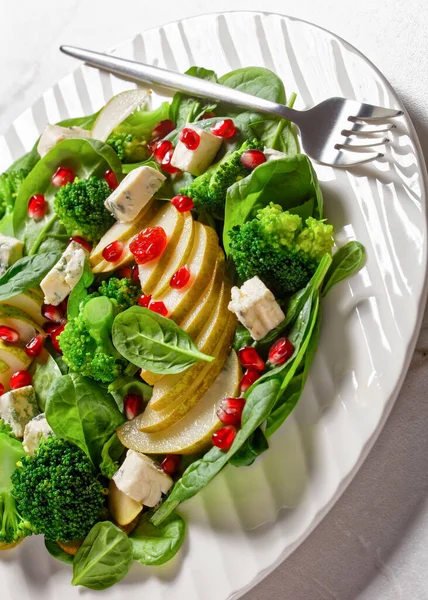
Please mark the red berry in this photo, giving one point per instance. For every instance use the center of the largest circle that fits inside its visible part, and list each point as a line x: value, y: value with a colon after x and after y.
x: 124, y: 272
x: 111, y: 179
x: 182, y: 203
x: 37, y: 206
x: 163, y: 128
x: 171, y: 464
x: 190, y: 138
x: 250, y: 376
x: 62, y: 176
x: 158, y: 307
x: 113, y: 251
x: 20, y: 379
x: 144, y: 300
x: 135, y: 276
x: 252, y: 158
x: 35, y: 345
x: 230, y: 410
x: 7, y: 334
x: 224, y: 128
x: 54, y: 337
x: 1, y: 389
x: 280, y: 351
x: 249, y: 357
x: 223, y: 438
x: 84, y: 243
x: 52, y: 313
x: 149, y: 244
x: 210, y: 114
x: 166, y: 163
x: 180, y: 278
x: 161, y: 149
x: 132, y: 405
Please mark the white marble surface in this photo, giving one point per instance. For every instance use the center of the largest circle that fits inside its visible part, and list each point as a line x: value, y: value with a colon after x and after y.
x: 374, y: 543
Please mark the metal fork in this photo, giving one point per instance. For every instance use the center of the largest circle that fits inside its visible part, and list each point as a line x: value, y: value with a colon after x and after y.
x: 327, y: 129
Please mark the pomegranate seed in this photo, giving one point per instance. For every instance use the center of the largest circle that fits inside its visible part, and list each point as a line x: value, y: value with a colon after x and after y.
x: 50, y: 328
x: 149, y: 244
x: 62, y: 176
x: 135, y: 275
x: 64, y: 306
x: 158, y: 307
x: 182, y: 203
x: 252, y: 158
x: 190, y: 138
x: 113, y: 251
x: 180, y: 278
x: 144, y: 300
x: 230, y: 410
x: 111, y: 179
x: 37, y: 206
x: 132, y: 406
x: 280, y: 351
x: 54, y: 337
x: 249, y: 357
x: 35, y: 345
x: 210, y: 114
x: 7, y: 334
x: 250, y: 376
x: 161, y: 149
x: 1, y: 389
x: 163, y: 128
x: 52, y: 313
x: 224, y: 128
x: 124, y: 272
x: 151, y: 146
x: 223, y: 438
x: 171, y: 463
x: 84, y: 243
x: 166, y: 163
x: 20, y: 379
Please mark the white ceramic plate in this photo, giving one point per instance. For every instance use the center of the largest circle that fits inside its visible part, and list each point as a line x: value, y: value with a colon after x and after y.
x: 248, y: 520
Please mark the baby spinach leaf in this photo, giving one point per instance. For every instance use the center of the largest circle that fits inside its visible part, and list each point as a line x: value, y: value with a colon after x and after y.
x: 126, y: 384
x: 82, y: 412
x: 26, y: 162
x: 80, y: 290
x: 157, y: 545
x: 26, y: 273
x: 110, y: 456
x: 186, y: 109
x: 58, y: 553
x: 347, y: 261
x: 153, y: 342
x: 242, y: 338
x: 44, y: 371
x: 251, y: 449
x: 103, y: 559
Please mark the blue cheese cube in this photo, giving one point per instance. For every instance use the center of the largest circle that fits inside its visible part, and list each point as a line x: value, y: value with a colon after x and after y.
x: 256, y: 308
x: 63, y: 276
x: 196, y: 161
x: 10, y: 252
x: 36, y: 430
x: 133, y: 193
x: 53, y: 134
x: 18, y: 407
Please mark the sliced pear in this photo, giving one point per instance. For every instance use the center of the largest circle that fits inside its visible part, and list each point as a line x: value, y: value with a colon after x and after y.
x: 157, y: 420
x: 70, y: 548
x: 168, y: 389
x: 117, y: 110
x: 19, y: 320
x: 16, y: 360
x: 122, y: 508
x: 193, y: 433
x: 28, y: 302
x: 4, y: 546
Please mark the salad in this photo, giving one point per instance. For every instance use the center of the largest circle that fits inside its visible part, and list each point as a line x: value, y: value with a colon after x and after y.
x: 161, y: 281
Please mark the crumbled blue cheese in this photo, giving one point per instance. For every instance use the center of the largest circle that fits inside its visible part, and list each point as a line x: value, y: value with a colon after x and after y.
x: 142, y: 479
x: 63, y: 276
x: 256, y: 308
x: 36, y: 430
x: 196, y: 161
x: 53, y: 134
x: 18, y: 407
x: 133, y: 193
x: 10, y: 252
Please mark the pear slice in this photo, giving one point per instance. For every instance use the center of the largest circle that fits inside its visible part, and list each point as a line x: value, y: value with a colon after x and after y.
x: 117, y: 110
x: 156, y: 420
x: 193, y: 433
x: 70, y: 548
x: 122, y: 508
x: 19, y: 320
x: 28, y: 302
x: 16, y: 360
x: 170, y: 387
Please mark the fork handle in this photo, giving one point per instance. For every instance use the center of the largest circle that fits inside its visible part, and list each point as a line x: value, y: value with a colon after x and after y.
x: 200, y: 88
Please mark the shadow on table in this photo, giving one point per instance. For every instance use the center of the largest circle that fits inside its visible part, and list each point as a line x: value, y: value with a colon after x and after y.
x: 352, y: 545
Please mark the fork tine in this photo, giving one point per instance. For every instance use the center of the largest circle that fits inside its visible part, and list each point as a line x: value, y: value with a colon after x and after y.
x: 369, y: 112
x: 351, y: 145
x: 364, y: 129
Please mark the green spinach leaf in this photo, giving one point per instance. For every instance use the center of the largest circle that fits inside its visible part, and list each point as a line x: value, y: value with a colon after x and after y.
x: 255, y: 445
x: 26, y: 273
x: 103, y: 559
x: 126, y: 384
x: 80, y: 290
x: 153, y: 342
x: 45, y: 372
x: 157, y: 545
x: 110, y: 456
x: 347, y: 261
x: 58, y: 553
x: 187, y: 109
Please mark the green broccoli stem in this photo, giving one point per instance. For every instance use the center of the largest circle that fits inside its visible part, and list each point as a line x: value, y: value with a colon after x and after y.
x: 42, y: 236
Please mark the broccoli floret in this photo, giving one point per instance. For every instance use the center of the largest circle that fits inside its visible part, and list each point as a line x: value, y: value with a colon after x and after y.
x: 130, y: 149
x: 57, y: 490
x: 86, y: 341
x: 280, y: 249
x: 10, y: 184
x: 208, y: 191
x: 13, y: 526
x: 123, y: 291
x: 6, y: 428
x: 80, y: 208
